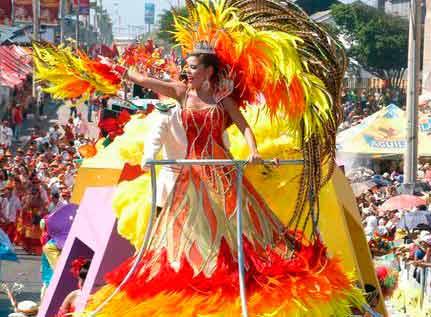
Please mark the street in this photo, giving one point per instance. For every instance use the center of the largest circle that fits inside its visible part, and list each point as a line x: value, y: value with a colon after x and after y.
x: 26, y: 272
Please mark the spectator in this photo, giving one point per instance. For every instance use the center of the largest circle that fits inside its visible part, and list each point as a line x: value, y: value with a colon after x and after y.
x: 381, y: 228
x: 91, y: 104
x: 355, y: 115
x: 69, y: 131
x: 73, y: 107
x: 6, y: 134
x: 371, y: 225
x: 17, y: 120
x: 9, y: 208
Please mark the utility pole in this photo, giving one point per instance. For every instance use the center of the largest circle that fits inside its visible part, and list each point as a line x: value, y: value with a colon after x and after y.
x: 36, y: 37
x: 426, y: 69
x: 95, y: 24
x: 102, y: 37
x: 78, y: 8
x: 411, y: 154
x: 62, y: 14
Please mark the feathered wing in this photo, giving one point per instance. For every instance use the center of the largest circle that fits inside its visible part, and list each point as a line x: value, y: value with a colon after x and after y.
x: 69, y: 74
x: 325, y: 61
x: 275, y: 51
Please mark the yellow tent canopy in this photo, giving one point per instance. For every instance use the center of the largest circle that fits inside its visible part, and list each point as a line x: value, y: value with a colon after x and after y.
x: 383, y: 134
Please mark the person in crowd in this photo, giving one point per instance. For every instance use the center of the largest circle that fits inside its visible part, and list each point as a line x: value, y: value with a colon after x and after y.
x: 55, y: 201
x: 371, y: 226
x: 10, y: 206
x: 91, y: 104
x: 40, y: 100
x: 73, y: 106
x: 80, y: 267
x: 6, y: 134
x: 355, y: 115
x: 77, y: 123
x: 33, y: 212
x: 381, y: 228
x: 17, y: 120
x: 69, y: 129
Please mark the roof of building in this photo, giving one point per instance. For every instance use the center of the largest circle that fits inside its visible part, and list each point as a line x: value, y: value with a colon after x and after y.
x: 322, y: 16
x: 14, y: 34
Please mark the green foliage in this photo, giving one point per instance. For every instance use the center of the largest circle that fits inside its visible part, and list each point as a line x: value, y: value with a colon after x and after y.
x: 313, y: 6
x: 166, y: 24
x: 379, y: 42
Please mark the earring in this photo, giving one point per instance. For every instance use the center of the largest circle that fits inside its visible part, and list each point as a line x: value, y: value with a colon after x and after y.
x: 206, y: 84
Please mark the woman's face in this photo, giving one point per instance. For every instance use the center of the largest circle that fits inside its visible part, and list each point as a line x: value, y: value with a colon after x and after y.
x: 197, y: 73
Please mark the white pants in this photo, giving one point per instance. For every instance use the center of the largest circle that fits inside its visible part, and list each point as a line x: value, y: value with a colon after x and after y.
x: 165, y: 183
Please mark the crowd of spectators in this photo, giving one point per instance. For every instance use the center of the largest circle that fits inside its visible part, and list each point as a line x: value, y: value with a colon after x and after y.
x: 37, y: 176
x: 394, y: 233
x: 358, y: 105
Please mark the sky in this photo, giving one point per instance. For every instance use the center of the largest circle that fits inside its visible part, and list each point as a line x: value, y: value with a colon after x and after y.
x: 131, y: 12
x: 128, y: 13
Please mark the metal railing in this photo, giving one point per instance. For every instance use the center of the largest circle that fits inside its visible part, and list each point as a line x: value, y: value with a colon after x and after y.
x: 239, y: 167
x: 419, y: 279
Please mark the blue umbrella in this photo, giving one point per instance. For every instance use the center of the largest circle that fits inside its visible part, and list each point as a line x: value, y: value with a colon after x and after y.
x: 7, y: 251
x: 379, y: 180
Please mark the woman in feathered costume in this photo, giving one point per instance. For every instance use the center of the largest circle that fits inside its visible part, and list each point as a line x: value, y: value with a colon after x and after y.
x: 241, y: 52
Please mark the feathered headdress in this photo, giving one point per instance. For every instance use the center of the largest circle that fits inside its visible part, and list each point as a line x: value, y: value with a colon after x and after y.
x: 388, y: 278
x: 273, y: 49
x: 70, y: 74
x: 147, y: 57
x: 77, y: 265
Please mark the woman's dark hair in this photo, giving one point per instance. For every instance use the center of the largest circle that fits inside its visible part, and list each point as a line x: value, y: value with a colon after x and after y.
x: 4, y: 174
x: 209, y: 60
x: 183, y: 77
x: 84, y: 270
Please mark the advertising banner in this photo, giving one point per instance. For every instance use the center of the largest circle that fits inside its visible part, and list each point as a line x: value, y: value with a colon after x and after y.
x: 23, y: 11
x: 6, y: 12
x: 84, y: 6
x: 49, y: 12
x: 150, y: 9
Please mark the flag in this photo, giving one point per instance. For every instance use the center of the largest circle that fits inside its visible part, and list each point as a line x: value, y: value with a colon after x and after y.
x: 23, y: 11
x: 6, y: 12
x: 84, y: 6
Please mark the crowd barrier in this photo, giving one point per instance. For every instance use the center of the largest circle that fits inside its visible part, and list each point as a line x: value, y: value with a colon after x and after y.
x: 413, y: 295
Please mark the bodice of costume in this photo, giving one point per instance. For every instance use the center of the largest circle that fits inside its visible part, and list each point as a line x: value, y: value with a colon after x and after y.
x: 204, y: 129
x: 199, y: 215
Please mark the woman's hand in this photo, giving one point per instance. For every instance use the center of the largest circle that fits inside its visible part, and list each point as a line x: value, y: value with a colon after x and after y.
x: 275, y: 161
x: 255, y: 158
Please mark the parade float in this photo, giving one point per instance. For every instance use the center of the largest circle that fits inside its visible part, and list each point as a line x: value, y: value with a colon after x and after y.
x: 293, y: 112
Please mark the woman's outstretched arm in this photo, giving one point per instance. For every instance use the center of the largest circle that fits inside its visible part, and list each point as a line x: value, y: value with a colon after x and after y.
x: 239, y: 120
x: 176, y: 90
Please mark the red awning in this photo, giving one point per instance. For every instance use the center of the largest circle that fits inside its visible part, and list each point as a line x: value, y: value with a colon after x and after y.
x: 15, y: 66
x: 14, y: 61
x: 9, y: 81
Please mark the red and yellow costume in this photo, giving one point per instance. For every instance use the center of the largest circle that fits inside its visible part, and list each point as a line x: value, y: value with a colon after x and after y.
x: 190, y: 267
x: 29, y: 232
x: 268, y: 51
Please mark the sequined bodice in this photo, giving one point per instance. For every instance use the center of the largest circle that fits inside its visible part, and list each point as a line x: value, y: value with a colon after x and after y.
x: 204, y: 129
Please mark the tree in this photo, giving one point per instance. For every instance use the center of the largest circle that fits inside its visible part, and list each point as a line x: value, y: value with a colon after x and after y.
x: 166, y: 24
x: 379, y: 42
